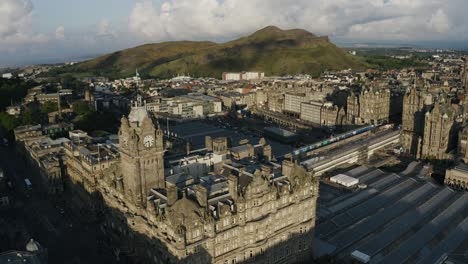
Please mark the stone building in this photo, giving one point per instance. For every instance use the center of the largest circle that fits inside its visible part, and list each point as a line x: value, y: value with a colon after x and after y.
x: 28, y: 133
x: 246, y: 208
x: 413, y: 122
x: 292, y: 103
x: 463, y: 144
x: 440, y: 130
x: 371, y: 106
x: 352, y: 109
x: 311, y: 111
x: 457, y: 177
x: 331, y: 115
x: 374, y: 106
x: 46, y: 155
x: 275, y: 101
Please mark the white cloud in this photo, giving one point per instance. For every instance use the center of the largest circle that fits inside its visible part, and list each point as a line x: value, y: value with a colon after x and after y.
x: 15, y: 17
x: 60, y: 33
x: 409, y: 21
x: 354, y: 19
x: 103, y: 27
x: 439, y: 22
x: 16, y: 24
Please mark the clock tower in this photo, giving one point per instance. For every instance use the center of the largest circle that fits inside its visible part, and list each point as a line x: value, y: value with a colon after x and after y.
x: 141, y: 154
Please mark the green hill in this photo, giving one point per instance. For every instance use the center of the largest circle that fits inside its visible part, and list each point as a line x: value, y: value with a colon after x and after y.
x: 272, y: 50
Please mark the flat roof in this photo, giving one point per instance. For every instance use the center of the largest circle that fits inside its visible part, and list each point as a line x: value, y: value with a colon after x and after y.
x: 281, y: 131
x: 344, y: 178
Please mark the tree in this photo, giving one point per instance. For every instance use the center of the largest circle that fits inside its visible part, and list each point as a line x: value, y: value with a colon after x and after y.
x: 8, y: 122
x: 81, y: 108
x: 13, y: 90
x: 49, y: 107
x: 31, y: 117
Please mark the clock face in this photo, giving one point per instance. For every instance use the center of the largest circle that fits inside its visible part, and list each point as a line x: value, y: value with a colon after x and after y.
x: 148, y: 141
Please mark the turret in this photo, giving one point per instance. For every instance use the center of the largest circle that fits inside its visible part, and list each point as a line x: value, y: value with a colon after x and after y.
x: 202, y: 195
x: 172, y: 194
x: 233, y: 182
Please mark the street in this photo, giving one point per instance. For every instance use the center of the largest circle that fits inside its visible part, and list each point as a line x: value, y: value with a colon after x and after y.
x: 51, y: 221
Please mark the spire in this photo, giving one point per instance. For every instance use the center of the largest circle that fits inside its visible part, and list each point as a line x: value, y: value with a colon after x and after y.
x: 137, y: 78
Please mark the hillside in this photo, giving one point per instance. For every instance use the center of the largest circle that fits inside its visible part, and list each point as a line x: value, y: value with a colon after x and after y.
x: 272, y: 50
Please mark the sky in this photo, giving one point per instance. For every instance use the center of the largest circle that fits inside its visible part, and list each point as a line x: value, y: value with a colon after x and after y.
x: 44, y: 31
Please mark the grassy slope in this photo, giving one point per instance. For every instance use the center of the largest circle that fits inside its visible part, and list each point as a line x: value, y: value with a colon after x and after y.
x: 275, y: 51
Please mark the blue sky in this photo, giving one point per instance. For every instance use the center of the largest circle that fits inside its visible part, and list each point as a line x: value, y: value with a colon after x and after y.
x: 35, y: 31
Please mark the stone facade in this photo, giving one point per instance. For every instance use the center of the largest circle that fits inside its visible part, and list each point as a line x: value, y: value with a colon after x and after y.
x: 412, y: 122
x: 374, y: 106
x: 463, y: 144
x: 440, y: 131
x: 371, y: 106
x: 246, y: 208
x: 457, y: 177
x: 352, y: 110
x: 292, y: 103
x: 430, y: 129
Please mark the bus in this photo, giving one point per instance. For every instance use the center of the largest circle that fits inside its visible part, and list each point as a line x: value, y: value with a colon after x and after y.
x: 28, y: 184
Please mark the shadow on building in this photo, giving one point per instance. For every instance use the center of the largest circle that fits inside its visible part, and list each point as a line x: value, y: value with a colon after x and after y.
x: 129, y: 246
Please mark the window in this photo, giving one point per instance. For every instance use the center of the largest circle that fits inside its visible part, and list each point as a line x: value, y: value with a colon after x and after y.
x: 195, y: 233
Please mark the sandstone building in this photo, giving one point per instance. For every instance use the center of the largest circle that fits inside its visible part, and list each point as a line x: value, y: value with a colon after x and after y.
x: 457, y: 177
x: 413, y: 122
x: 229, y: 206
x: 440, y: 130
x: 371, y: 106
x: 430, y: 125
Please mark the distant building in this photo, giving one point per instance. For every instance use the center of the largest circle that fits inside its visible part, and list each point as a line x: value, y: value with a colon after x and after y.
x: 14, y: 110
x: 7, y: 75
x: 29, y: 132
x: 311, y: 112
x: 371, y: 106
x: 60, y: 129
x: 292, y: 103
x: 46, y: 156
x: 324, y: 114
x: 238, y: 76
x: 191, y: 106
x: 42, y: 97
x: 331, y: 115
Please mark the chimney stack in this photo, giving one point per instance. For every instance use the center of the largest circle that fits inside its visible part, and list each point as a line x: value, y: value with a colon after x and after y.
x: 172, y: 194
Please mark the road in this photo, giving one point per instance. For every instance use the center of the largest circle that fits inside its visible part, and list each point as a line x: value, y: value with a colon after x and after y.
x: 51, y: 221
